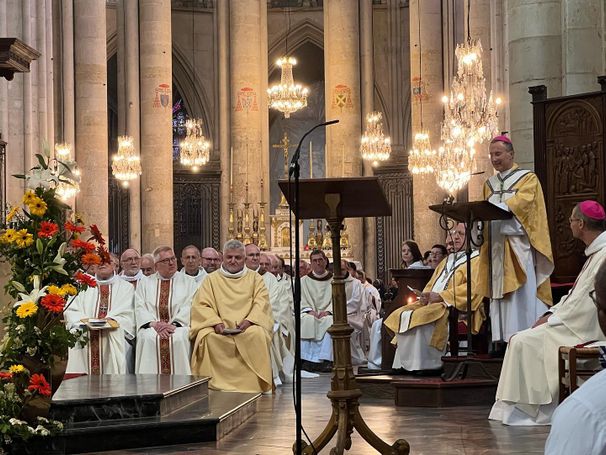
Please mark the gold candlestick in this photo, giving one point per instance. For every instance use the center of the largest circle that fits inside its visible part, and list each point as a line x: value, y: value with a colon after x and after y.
x: 262, y: 237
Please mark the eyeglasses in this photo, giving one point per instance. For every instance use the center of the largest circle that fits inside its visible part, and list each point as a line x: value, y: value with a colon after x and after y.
x: 133, y: 259
x: 570, y: 220
x: 211, y: 259
x: 167, y: 260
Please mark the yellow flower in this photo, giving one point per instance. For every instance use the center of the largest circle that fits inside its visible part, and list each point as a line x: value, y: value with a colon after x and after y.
x: 16, y: 369
x: 28, y: 197
x: 12, y: 213
x: 27, y: 309
x: 9, y: 236
x: 37, y: 207
x: 68, y: 289
x: 23, y: 239
x: 55, y: 290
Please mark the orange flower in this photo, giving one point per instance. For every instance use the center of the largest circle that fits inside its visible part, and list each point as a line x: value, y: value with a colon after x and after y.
x: 83, y: 278
x: 94, y: 230
x: 53, y: 303
x: 86, y: 246
x: 5, y: 375
x: 89, y: 259
x: 47, y: 229
x: 38, y: 383
x: 71, y: 227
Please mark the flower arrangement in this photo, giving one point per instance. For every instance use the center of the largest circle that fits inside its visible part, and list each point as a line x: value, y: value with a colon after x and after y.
x: 48, y: 260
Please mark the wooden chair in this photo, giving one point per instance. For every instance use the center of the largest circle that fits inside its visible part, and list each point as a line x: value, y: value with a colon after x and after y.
x: 569, y: 370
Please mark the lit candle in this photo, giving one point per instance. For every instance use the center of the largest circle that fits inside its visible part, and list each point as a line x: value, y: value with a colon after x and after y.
x: 311, y: 162
x: 231, y: 166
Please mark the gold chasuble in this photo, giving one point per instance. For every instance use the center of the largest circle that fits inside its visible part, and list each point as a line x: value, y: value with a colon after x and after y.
x: 238, y: 362
x: 450, y: 281
x: 521, y: 192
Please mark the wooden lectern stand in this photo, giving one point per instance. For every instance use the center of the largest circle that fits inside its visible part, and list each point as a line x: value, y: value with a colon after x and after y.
x: 469, y: 213
x: 334, y: 200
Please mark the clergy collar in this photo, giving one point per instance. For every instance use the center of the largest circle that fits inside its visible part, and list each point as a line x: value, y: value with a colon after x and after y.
x: 508, y: 172
x: 598, y: 243
x: 161, y: 278
x: 184, y: 272
x: 110, y: 280
x: 324, y: 277
x: 135, y: 277
x: 228, y: 274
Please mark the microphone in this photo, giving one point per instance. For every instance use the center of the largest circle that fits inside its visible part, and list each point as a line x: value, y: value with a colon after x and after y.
x: 295, y: 158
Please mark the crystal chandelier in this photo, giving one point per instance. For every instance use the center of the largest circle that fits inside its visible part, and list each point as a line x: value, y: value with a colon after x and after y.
x: 421, y: 158
x: 375, y: 146
x: 126, y: 164
x: 287, y: 97
x: 470, y: 116
x: 194, y: 149
x: 68, y: 172
x: 454, y: 166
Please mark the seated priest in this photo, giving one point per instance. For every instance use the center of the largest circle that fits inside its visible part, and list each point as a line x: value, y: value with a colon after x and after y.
x: 527, y: 393
x: 190, y: 259
x: 356, y: 310
x: 231, y: 326
x: 106, y: 350
x: 421, y: 328
x: 280, y: 299
x: 148, y: 267
x: 210, y: 259
x: 130, y: 262
x: 316, y: 314
x: 162, y: 309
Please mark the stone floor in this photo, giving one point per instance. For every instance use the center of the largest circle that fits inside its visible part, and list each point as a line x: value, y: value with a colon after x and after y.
x: 463, y: 430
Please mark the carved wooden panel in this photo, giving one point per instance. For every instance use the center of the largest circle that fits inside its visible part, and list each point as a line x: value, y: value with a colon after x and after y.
x: 196, y: 210
x: 392, y: 231
x: 569, y: 160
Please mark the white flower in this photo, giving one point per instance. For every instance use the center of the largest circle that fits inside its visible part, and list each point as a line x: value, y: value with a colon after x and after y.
x: 14, y: 421
x: 32, y: 296
x: 31, y: 350
x: 42, y: 431
x: 20, y: 328
x: 44, y: 178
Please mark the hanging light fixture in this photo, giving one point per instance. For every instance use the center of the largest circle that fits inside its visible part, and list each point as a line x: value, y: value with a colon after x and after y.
x: 421, y: 157
x: 287, y: 97
x: 194, y: 149
x: 126, y: 164
x: 374, y: 145
x: 68, y: 172
x: 470, y: 117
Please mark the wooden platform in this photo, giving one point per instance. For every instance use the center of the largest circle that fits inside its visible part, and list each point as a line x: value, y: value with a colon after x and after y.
x: 434, y: 392
x: 132, y: 411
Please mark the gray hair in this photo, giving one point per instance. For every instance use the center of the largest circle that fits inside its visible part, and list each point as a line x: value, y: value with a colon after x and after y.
x: 590, y: 223
x: 160, y: 249
x: 233, y: 244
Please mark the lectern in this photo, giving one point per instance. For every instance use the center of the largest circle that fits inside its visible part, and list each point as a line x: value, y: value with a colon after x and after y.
x: 335, y: 200
x: 470, y: 213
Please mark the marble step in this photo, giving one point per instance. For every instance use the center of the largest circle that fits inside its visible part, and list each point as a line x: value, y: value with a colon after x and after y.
x: 202, y: 421
x: 119, y: 397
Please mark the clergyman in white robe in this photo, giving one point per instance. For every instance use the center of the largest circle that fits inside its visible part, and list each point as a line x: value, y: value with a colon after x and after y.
x: 316, y: 295
x: 198, y: 278
x: 168, y: 300
x: 528, y: 387
x: 105, y: 352
x: 356, y: 310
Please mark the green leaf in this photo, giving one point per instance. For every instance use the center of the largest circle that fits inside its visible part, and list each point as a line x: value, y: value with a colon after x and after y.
x: 59, y: 269
x: 18, y: 286
x: 41, y: 160
x: 39, y: 246
x: 19, y: 176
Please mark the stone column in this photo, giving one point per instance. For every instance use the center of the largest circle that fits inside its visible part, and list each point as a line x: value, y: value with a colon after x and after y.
x: 425, y: 190
x: 224, y: 111
x: 90, y: 63
x: 67, y: 70
x: 582, y: 45
x: 50, y: 73
x: 342, y: 79
x: 248, y: 73
x: 128, y: 102
x: 535, y: 58
x: 367, y: 84
x: 156, y: 123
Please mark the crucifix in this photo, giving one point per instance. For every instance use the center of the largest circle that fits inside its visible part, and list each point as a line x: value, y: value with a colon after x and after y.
x: 284, y: 145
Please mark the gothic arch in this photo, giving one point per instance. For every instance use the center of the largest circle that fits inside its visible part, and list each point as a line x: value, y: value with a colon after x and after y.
x: 193, y: 93
x: 303, y: 32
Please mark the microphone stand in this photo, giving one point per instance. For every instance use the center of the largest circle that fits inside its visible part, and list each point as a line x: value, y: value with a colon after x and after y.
x: 294, y: 172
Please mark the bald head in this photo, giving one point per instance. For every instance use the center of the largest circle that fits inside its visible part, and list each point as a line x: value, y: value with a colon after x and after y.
x: 275, y: 265
x: 253, y: 256
x: 130, y: 262
x: 210, y: 259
